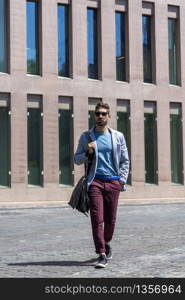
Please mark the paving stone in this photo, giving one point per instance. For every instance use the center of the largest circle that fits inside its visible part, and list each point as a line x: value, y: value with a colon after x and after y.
x: 56, y: 242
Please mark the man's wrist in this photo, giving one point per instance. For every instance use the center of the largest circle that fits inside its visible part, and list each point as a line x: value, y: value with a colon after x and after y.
x: 89, y: 153
x: 123, y: 187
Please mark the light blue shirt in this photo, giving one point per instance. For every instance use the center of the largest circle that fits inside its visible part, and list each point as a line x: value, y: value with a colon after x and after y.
x: 105, y: 164
x: 120, y: 155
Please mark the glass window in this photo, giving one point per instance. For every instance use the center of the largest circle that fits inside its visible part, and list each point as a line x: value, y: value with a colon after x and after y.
x: 35, y: 156
x: 32, y: 38
x: 172, y: 50
x: 63, y: 41
x: 91, y: 110
x: 123, y: 125
x: 91, y: 118
x: 4, y: 147
x: 120, y: 46
x: 66, y: 165
x: 147, y: 49
x: 3, y: 37
x: 176, y: 144
x: 92, y: 35
x: 150, y: 127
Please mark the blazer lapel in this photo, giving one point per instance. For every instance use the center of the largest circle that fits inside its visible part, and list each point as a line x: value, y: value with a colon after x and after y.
x: 114, y: 146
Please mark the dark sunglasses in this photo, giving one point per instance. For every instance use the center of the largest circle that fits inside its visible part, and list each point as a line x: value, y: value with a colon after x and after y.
x: 98, y: 113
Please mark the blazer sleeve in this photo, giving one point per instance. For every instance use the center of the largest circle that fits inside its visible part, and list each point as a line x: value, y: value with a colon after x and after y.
x: 81, y: 155
x: 124, y: 161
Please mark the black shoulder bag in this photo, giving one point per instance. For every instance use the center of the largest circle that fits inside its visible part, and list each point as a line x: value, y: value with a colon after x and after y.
x: 79, y: 198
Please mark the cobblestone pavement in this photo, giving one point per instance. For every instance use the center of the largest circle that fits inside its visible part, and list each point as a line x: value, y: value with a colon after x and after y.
x: 56, y: 242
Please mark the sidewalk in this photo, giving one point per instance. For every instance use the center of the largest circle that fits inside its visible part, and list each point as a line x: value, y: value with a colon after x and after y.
x: 26, y: 204
x: 56, y: 242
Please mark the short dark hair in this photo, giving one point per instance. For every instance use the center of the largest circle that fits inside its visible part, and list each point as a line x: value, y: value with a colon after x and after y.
x: 102, y: 105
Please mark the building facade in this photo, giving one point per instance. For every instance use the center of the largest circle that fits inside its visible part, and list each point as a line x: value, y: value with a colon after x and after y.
x: 57, y: 59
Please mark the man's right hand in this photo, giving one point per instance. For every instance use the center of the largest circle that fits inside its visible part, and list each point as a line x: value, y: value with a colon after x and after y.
x: 91, y: 147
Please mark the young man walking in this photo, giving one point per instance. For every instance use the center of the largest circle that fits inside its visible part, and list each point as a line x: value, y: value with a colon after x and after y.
x: 106, y: 178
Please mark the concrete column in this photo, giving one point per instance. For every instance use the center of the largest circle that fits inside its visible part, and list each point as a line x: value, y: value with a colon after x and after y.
x: 163, y: 134
x: 18, y: 64
x: 108, y: 39
x: 18, y: 138
x: 79, y: 38
x: 182, y: 41
x: 137, y: 140
x: 135, y: 40
x: 49, y: 38
x: 161, y: 43
x: 50, y: 138
x: 80, y: 125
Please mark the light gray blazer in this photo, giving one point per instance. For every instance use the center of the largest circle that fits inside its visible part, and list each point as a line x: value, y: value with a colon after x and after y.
x: 120, y: 154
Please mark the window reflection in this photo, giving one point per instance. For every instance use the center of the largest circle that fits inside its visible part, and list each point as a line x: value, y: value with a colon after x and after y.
x: 172, y: 49
x: 92, y: 43
x: 34, y: 147
x: 32, y: 38
x: 176, y: 143
x: 151, y: 156
x: 123, y: 125
x: 66, y: 145
x: 3, y: 37
x: 63, y: 41
x: 4, y: 147
x: 147, y: 49
x: 120, y: 47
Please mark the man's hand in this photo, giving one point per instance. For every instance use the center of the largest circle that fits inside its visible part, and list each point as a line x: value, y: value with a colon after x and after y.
x: 91, y: 147
x: 123, y: 188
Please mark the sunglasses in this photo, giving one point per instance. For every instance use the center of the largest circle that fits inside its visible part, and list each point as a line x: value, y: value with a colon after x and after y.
x: 98, y: 113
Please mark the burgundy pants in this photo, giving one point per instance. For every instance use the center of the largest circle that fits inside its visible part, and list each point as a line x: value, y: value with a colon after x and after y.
x: 103, y: 196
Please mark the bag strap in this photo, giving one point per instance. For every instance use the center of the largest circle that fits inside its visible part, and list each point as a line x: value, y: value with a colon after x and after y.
x: 88, y: 163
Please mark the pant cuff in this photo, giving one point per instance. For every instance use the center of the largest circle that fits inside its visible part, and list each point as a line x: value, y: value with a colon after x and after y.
x: 101, y: 250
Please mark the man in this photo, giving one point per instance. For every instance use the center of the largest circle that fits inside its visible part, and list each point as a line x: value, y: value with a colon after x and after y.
x: 107, y: 176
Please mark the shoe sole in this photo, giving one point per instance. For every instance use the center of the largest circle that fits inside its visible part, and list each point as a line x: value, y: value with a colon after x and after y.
x: 109, y: 257
x: 100, y: 266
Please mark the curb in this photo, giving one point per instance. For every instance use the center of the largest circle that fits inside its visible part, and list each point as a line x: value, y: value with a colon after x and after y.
x: 52, y: 204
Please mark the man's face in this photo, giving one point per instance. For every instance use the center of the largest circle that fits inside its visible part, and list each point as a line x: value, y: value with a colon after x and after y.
x: 101, y: 117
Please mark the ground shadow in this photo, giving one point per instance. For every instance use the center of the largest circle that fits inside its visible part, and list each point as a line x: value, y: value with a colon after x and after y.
x: 89, y: 262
